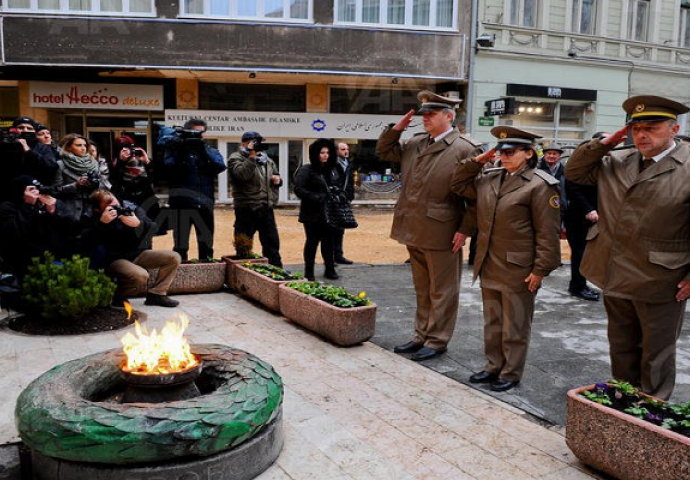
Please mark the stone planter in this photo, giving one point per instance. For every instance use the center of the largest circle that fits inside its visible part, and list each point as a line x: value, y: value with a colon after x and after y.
x: 258, y: 287
x: 195, y: 278
x: 232, y: 263
x: 342, y: 326
x: 622, y: 445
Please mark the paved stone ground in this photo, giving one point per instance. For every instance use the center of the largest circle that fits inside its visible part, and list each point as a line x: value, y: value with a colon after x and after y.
x: 568, y: 349
x: 350, y: 413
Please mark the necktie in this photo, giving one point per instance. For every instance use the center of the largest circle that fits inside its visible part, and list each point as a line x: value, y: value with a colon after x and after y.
x: 646, y: 163
x: 431, y: 141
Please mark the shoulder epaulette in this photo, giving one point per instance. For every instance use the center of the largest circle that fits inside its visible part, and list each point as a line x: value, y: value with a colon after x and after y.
x: 546, y: 177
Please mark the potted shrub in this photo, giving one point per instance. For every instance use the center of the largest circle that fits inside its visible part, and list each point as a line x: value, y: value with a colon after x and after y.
x: 196, y: 276
x: 617, y: 429
x: 244, y: 246
x: 330, y: 311
x: 66, y: 297
x: 260, y: 281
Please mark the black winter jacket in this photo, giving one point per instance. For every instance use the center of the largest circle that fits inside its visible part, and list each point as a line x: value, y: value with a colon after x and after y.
x: 313, y: 181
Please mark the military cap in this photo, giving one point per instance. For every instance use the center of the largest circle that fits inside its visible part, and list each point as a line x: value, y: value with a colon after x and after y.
x: 552, y: 146
x: 511, y: 137
x: 650, y: 108
x: 432, y: 101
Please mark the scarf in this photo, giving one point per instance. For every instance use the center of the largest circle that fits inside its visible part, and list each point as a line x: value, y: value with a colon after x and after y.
x: 80, y: 165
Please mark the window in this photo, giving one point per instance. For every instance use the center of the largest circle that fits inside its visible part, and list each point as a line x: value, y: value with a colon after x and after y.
x: 685, y: 23
x: 105, y: 7
x: 555, y: 121
x: 523, y: 13
x: 418, y: 14
x: 584, y: 15
x: 270, y: 10
x: 638, y: 20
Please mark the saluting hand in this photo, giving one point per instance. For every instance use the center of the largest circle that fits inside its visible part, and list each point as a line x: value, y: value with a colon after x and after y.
x: 404, y: 122
x: 533, y: 282
x: 486, y: 156
x: 684, y: 291
x: 616, y: 137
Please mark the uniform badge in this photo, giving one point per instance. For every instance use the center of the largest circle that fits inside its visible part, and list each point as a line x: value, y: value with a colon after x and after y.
x: 503, y: 135
x: 555, y: 202
x: 639, y: 107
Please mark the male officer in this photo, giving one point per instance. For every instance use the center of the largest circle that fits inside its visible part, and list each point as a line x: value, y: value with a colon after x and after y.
x: 428, y: 218
x: 346, y: 182
x: 639, y: 250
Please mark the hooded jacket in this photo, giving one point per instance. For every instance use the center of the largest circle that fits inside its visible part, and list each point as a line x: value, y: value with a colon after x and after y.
x: 313, y: 180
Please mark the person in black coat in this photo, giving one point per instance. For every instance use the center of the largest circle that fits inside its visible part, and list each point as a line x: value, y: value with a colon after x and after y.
x: 346, y: 182
x: 312, y: 184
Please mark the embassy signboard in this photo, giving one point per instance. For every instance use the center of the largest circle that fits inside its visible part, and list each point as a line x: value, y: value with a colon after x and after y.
x: 102, y: 96
x: 291, y: 125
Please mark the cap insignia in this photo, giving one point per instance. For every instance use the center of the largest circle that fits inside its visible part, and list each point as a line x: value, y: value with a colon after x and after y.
x: 503, y: 135
x: 639, y: 107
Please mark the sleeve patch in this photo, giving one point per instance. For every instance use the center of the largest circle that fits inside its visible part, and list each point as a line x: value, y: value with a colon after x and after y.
x: 555, y: 202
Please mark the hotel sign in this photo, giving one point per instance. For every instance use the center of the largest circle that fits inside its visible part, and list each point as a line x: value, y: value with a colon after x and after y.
x: 291, y: 125
x: 101, y: 96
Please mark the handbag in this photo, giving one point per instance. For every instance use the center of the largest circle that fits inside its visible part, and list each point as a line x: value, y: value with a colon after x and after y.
x: 339, y: 211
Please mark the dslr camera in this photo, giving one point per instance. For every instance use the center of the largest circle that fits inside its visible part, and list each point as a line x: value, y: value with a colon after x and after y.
x: 126, y: 211
x: 94, y: 179
x: 190, y: 135
x: 134, y: 151
x: 258, y: 145
x: 46, y: 190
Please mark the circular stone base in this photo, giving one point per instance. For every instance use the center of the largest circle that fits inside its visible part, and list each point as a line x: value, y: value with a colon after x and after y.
x: 244, y: 462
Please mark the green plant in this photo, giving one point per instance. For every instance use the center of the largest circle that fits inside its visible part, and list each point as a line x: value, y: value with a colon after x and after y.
x: 244, y: 244
x: 271, y: 271
x: 336, y: 296
x: 197, y: 261
x: 65, y: 289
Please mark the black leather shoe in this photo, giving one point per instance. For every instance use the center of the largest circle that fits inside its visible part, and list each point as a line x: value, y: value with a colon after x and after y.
x: 160, y: 300
x: 425, y: 353
x: 343, y: 261
x: 586, y: 294
x: 331, y: 275
x: 501, y: 385
x: 483, y: 377
x: 408, y: 347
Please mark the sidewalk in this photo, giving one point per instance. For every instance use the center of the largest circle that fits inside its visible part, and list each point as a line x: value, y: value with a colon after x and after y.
x: 350, y: 413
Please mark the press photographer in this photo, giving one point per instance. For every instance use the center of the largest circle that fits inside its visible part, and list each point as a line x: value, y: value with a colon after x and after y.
x: 22, y: 153
x: 192, y: 167
x: 122, y: 232
x: 255, y: 182
x: 31, y: 224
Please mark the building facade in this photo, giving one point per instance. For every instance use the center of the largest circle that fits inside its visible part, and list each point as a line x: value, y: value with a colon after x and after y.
x: 294, y: 70
x: 564, y: 67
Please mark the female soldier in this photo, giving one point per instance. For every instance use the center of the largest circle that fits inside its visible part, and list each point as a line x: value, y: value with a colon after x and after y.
x: 518, y: 220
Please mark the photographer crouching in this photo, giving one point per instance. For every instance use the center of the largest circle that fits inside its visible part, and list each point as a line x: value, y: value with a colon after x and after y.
x: 255, y: 182
x: 122, y: 233
x: 192, y: 167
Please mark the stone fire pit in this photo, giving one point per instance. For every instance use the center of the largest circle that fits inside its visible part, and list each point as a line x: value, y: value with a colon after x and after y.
x: 72, y: 420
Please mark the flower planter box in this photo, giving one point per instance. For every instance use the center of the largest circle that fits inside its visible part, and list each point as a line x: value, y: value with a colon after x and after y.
x: 258, y: 287
x: 232, y: 263
x: 622, y: 445
x: 342, y: 326
x: 195, y: 278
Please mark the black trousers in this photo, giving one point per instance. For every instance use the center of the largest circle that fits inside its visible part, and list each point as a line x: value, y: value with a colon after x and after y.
x: 248, y: 221
x: 201, y: 218
x: 318, y: 233
x: 576, y: 234
x: 338, y: 234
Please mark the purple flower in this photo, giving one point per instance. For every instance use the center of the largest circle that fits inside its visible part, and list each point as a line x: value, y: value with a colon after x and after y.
x: 654, y: 418
x: 601, y: 387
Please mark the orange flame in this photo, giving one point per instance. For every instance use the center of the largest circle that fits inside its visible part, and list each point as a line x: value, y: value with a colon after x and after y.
x: 158, y: 353
x: 128, y: 309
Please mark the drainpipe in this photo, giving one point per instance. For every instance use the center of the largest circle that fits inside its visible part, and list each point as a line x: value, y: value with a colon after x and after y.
x: 469, y: 101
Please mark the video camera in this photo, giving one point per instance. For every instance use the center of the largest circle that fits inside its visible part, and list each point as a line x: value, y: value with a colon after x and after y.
x: 190, y: 135
x: 126, y: 211
x: 46, y: 190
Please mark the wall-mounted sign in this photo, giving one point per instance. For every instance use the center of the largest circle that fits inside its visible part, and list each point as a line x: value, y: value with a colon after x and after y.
x: 102, y: 96
x: 486, y: 121
x: 518, y: 90
x: 291, y: 125
x: 500, y: 106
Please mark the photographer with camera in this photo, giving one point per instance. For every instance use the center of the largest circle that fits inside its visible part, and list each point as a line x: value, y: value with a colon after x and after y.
x: 131, y: 176
x: 123, y: 233
x: 30, y: 223
x: 255, y: 182
x: 78, y: 176
x: 192, y: 167
x: 22, y: 153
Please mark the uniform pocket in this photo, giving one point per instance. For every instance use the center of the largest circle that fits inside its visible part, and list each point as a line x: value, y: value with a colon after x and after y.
x: 521, y: 259
x: 670, y: 260
x: 442, y: 214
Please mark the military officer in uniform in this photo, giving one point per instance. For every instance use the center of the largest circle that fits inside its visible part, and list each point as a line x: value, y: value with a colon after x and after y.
x: 638, y: 252
x: 428, y: 217
x: 518, y: 220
